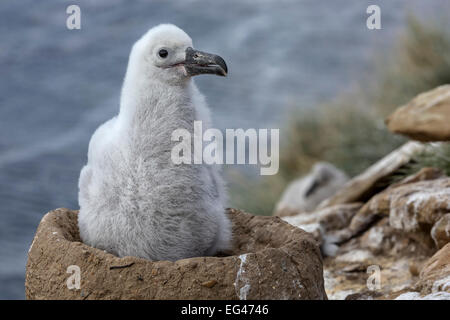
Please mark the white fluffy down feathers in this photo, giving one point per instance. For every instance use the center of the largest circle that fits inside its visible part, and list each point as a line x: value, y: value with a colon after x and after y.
x: 133, y: 200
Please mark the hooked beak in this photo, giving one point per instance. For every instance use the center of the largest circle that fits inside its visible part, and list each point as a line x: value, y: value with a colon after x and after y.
x: 198, y: 62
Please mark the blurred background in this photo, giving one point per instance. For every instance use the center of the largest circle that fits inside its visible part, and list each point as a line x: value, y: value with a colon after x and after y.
x: 310, y: 68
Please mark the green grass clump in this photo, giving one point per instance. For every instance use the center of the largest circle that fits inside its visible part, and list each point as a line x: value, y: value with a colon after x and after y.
x: 436, y: 156
x: 421, y: 61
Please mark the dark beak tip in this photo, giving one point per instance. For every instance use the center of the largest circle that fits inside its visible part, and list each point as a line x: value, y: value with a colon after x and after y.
x: 223, y: 66
x: 224, y: 72
x: 198, y: 62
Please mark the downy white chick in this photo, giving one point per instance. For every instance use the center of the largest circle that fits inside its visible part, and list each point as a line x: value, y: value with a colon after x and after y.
x: 134, y: 201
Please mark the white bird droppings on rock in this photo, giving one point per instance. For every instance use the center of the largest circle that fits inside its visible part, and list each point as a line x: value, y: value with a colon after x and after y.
x: 243, y: 291
x: 431, y: 296
x: 441, y: 284
x: 355, y: 256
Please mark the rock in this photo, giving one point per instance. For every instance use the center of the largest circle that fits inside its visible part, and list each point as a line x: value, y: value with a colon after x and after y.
x: 414, y: 268
x: 397, y: 257
x: 435, y: 274
x: 391, y: 233
x: 412, y: 207
x: 321, y: 222
x: 416, y: 296
x: 346, y: 279
x: 424, y: 174
x: 210, y: 283
x: 362, y: 187
x: 338, y: 216
x: 425, y: 118
x: 358, y: 255
x: 382, y: 239
x: 304, y: 194
x: 441, y: 231
x: 270, y: 260
x: 331, y: 218
x: 364, y: 295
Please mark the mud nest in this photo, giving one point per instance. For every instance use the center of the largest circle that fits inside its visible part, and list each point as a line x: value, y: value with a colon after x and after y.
x: 270, y: 259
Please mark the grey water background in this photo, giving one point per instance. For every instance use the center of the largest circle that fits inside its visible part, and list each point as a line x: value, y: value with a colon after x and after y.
x: 57, y: 85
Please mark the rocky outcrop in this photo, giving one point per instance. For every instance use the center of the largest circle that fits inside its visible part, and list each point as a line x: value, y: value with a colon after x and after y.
x: 380, y: 237
x: 396, y: 256
x: 305, y: 194
x: 375, y: 178
x: 393, y: 234
x: 434, y: 282
x: 435, y: 274
x: 322, y: 223
x: 410, y: 207
x: 270, y: 259
x: 416, y: 296
x: 425, y: 118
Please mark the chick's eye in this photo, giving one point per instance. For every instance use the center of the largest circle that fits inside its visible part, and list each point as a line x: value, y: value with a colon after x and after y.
x: 163, y: 53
